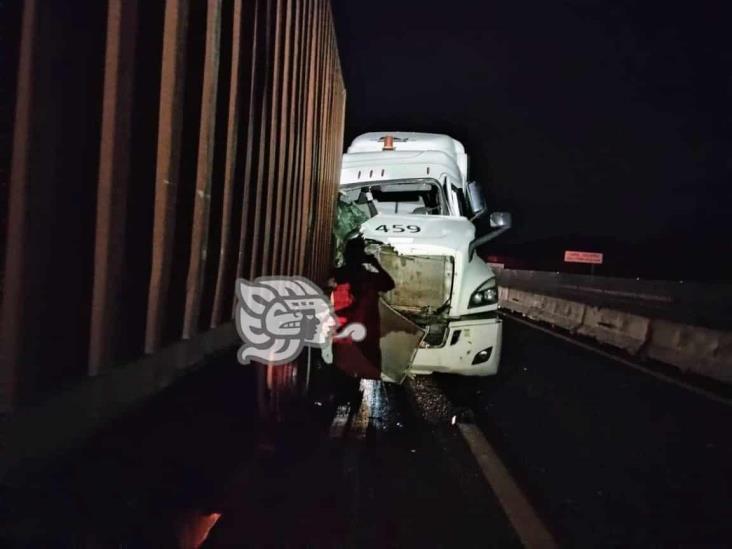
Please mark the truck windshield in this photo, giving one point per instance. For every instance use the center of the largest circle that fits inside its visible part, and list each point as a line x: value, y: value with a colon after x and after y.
x: 404, y: 197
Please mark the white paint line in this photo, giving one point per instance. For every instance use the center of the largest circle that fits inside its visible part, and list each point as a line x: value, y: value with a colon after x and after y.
x: 663, y: 377
x: 340, y: 420
x: 524, y: 519
x: 360, y: 423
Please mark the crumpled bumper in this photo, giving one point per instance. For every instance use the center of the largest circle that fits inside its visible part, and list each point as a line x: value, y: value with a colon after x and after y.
x: 472, y: 348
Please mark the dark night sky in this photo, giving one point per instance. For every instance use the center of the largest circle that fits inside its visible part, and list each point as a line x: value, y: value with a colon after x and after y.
x: 606, y: 119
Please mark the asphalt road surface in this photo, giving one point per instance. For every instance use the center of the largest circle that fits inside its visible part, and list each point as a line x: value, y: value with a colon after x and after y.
x: 608, y: 455
x: 234, y: 456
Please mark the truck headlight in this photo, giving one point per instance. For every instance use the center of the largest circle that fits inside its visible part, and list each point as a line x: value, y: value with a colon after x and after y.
x: 486, y: 294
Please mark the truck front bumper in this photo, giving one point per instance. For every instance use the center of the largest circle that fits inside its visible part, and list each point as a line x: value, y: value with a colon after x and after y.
x: 471, y: 348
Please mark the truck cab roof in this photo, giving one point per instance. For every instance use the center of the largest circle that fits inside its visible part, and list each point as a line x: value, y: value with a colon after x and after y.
x: 389, y: 165
x: 373, y: 142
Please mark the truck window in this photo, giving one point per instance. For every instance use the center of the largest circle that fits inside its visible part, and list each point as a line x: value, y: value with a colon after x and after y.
x: 403, y: 197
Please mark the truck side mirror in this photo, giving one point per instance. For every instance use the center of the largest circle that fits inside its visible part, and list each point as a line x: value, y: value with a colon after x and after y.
x: 476, y: 199
x: 500, y: 222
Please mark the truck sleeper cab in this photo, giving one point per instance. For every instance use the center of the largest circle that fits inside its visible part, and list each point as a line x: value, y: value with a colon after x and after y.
x: 414, y: 189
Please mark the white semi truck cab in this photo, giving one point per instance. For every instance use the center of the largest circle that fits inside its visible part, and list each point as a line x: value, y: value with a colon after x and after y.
x: 414, y: 187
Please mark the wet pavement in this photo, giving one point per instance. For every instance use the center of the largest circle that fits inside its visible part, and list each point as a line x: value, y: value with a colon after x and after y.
x: 298, y: 455
x: 378, y: 479
x: 610, y: 456
x: 233, y: 456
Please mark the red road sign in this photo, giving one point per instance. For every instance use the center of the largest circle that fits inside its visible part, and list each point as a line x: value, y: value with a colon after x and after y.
x: 582, y: 257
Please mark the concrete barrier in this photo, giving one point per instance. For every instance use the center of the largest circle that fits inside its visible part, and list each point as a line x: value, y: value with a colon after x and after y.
x: 519, y: 301
x: 694, y: 349
x: 698, y: 304
x: 558, y: 312
x: 503, y: 296
x: 691, y: 348
x: 619, y: 329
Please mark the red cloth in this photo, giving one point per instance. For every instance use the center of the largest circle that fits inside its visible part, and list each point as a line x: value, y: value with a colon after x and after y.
x: 342, y: 298
x: 356, y: 299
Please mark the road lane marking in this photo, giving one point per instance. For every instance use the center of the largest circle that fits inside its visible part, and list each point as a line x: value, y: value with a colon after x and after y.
x: 338, y: 426
x: 432, y: 404
x: 360, y: 423
x: 658, y: 375
x: 525, y: 521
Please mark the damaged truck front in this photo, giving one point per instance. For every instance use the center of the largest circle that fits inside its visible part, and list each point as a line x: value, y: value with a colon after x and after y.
x: 417, y: 208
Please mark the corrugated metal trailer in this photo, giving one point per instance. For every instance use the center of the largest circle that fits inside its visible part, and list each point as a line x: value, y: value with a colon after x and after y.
x: 159, y: 151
